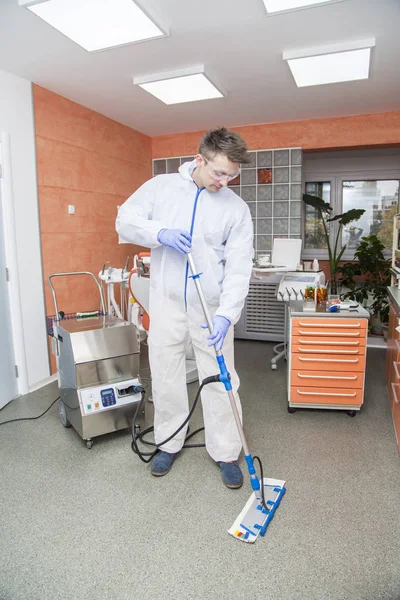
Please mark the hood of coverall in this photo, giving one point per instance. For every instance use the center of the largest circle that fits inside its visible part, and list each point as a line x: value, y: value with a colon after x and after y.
x: 186, y: 169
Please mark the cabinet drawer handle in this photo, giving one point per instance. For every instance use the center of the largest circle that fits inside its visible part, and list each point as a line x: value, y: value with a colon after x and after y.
x: 351, y: 326
x: 326, y: 394
x: 350, y: 378
x: 329, y: 343
x: 315, y: 351
x: 330, y: 360
x: 394, y: 392
x: 331, y: 333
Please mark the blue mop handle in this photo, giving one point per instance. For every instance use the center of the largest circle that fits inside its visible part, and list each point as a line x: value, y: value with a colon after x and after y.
x: 225, y: 378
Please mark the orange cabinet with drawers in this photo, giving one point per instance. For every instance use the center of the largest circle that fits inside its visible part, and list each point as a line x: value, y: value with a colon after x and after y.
x: 327, y: 361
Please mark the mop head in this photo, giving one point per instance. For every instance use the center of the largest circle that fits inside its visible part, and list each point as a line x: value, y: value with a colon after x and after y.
x: 254, y: 519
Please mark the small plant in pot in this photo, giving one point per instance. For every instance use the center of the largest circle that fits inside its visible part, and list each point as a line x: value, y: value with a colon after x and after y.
x: 368, y: 280
x: 335, y: 254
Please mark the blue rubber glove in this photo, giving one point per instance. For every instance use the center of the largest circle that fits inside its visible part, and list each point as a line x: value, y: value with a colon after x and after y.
x: 176, y: 238
x: 220, y: 329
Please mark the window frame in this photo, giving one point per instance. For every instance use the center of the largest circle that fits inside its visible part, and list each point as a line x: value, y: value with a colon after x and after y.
x: 336, y: 179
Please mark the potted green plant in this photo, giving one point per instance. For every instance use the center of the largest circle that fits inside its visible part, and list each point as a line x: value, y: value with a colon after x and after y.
x: 368, y: 280
x: 335, y: 254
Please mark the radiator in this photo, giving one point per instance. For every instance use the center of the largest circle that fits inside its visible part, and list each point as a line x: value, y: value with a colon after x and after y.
x: 263, y: 315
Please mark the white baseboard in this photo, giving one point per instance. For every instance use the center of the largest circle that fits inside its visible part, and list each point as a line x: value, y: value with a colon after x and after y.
x: 42, y: 383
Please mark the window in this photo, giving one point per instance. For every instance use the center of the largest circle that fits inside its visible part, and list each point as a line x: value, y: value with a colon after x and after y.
x: 380, y: 199
x: 367, y: 179
x: 314, y: 230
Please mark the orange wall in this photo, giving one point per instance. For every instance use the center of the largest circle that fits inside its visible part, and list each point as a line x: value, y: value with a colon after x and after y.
x: 381, y: 129
x: 94, y: 163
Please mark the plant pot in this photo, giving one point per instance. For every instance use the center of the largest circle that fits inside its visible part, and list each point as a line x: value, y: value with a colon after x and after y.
x: 375, y: 325
x: 334, y: 288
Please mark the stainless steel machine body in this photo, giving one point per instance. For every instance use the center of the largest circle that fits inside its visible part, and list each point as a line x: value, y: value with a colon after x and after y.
x: 98, y: 368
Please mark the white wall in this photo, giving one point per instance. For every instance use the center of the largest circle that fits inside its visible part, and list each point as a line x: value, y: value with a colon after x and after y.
x: 16, y: 118
x: 368, y: 161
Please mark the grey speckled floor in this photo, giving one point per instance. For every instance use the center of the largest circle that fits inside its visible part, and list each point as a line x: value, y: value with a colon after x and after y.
x: 80, y: 524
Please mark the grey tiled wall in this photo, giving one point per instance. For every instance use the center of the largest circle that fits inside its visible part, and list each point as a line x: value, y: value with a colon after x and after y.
x: 275, y: 206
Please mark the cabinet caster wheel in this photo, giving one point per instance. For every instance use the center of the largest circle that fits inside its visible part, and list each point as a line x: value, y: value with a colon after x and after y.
x: 351, y: 413
x: 62, y: 412
x: 291, y: 410
x: 89, y: 444
x: 274, y: 367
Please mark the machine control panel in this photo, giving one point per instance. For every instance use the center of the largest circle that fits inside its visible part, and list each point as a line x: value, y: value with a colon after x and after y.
x: 107, y: 397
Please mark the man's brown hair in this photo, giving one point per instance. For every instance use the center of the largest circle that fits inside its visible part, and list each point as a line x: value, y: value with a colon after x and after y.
x: 224, y: 141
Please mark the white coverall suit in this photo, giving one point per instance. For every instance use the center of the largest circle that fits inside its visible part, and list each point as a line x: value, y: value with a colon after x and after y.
x: 222, y: 249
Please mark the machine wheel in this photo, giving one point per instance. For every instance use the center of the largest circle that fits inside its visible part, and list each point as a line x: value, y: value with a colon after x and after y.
x: 62, y: 411
x: 291, y: 410
x: 351, y: 413
x: 137, y: 429
x: 274, y: 366
x: 89, y: 444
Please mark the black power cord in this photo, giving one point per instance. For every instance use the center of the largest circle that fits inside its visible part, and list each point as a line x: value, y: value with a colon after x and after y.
x: 146, y: 457
x: 31, y: 418
x: 134, y: 445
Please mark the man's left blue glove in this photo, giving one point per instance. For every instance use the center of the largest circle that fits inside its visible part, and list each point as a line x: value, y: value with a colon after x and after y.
x: 220, y: 329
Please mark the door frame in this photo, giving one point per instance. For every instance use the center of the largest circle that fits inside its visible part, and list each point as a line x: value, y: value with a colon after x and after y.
x: 12, y: 265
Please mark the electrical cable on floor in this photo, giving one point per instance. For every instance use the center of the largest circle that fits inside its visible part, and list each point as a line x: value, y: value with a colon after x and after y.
x: 31, y: 418
x: 146, y: 457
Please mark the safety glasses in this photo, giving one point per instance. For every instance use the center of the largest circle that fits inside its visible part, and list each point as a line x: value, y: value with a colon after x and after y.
x: 219, y: 175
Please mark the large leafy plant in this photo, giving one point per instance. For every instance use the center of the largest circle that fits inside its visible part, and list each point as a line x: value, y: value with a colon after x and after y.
x: 369, y: 277
x: 335, y: 253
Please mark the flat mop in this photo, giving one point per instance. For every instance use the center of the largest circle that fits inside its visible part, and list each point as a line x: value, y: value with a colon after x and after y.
x: 267, y: 493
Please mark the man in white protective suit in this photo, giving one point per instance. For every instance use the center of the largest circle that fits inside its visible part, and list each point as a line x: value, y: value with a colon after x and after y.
x: 194, y: 211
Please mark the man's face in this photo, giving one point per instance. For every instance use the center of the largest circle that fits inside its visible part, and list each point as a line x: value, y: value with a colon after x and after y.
x: 216, y: 172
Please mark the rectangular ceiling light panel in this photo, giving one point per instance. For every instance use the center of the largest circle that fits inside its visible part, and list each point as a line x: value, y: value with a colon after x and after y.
x: 279, y: 6
x: 185, y: 85
x: 319, y: 67
x: 97, y: 24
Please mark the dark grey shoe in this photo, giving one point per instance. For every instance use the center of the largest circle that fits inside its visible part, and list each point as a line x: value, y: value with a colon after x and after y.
x: 162, y: 464
x: 231, y: 474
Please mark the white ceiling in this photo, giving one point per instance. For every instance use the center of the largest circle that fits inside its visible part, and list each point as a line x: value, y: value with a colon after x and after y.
x: 241, y: 49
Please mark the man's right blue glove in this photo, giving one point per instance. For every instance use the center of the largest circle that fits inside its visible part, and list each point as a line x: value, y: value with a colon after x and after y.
x: 176, y: 238
x: 220, y: 329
